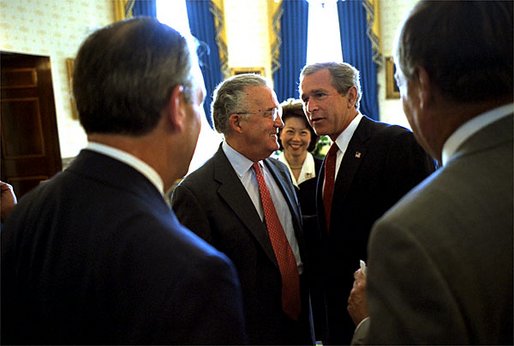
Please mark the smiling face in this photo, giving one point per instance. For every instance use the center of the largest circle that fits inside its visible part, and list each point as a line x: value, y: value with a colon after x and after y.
x: 328, y: 112
x: 295, y: 137
x: 257, y: 127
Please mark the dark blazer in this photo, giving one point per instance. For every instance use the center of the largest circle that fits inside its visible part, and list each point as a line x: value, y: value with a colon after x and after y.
x: 307, y: 197
x: 381, y: 164
x: 307, y: 192
x: 213, y: 203
x: 96, y: 256
x: 452, y: 282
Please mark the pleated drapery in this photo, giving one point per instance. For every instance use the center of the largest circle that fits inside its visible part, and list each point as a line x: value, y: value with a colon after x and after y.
x: 144, y: 8
x: 358, y: 51
x: 206, y: 21
x: 292, y: 47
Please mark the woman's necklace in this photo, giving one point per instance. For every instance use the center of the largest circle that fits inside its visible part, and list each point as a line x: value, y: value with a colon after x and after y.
x: 295, y: 167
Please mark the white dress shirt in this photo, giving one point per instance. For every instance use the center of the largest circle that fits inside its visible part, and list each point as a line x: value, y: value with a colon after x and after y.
x: 308, y: 168
x: 343, y: 140
x: 243, y: 169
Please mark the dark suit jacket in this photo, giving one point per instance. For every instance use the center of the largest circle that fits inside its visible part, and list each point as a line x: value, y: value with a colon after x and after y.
x: 213, y: 203
x: 381, y: 164
x: 307, y: 192
x: 451, y: 282
x: 96, y: 256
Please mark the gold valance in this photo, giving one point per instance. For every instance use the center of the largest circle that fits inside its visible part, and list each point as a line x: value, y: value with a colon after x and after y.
x: 373, y: 19
x: 122, y: 9
x: 218, y: 12
x: 274, y: 16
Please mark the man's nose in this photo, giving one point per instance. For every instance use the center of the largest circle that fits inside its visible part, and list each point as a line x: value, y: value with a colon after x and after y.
x: 279, y: 123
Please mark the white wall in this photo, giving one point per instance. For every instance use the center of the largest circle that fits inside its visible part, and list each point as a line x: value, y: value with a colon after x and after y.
x: 392, y: 14
x: 55, y: 29
x: 247, y: 34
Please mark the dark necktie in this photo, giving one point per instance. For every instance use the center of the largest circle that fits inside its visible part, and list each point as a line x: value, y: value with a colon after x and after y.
x: 291, y: 303
x: 328, y: 190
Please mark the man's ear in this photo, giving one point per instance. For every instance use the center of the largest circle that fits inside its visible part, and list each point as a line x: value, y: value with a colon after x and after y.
x: 351, y: 96
x: 175, y: 109
x: 424, y: 88
x: 234, y: 122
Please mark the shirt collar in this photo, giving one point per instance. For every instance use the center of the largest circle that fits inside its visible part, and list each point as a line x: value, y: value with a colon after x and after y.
x: 471, y: 127
x: 240, y: 162
x: 130, y: 160
x: 344, y: 138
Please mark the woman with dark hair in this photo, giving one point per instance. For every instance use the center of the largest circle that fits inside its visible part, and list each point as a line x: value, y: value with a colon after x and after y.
x: 297, y: 140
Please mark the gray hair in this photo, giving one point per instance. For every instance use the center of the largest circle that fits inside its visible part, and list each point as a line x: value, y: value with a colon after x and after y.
x: 344, y: 76
x: 229, y: 97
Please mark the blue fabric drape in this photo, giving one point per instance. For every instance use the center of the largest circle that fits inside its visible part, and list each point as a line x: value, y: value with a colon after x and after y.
x: 201, y: 22
x: 293, y: 48
x: 144, y: 8
x: 357, y: 51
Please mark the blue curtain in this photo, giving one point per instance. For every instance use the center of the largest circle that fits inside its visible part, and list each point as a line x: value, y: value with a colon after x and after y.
x: 144, y: 8
x: 293, y: 48
x: 357, y: 51
x: 201, y: 22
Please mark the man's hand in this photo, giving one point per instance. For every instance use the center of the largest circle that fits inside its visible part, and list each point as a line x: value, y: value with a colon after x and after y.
x: 357, y: 302
x: 7, y: 201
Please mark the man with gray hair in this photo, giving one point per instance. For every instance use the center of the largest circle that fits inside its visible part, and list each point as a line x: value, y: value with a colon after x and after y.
x: 95, y: 255
x: 368, y: 168
x: 441, y: 260
x: 244, y: 204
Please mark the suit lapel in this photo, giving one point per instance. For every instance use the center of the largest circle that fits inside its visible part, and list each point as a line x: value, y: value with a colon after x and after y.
x: 353, y: 157
x: 232, y: 191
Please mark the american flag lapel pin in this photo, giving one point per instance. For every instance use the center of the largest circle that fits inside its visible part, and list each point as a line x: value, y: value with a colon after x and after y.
x: 358, y: 154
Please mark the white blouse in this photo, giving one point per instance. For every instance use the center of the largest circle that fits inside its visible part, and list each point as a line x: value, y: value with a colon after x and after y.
x: 308, y: 168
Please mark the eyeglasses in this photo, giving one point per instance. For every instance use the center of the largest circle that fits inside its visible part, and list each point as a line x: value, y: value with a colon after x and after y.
x: 273, y: 113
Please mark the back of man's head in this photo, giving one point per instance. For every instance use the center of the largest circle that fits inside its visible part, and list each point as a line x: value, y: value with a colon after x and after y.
x: 124, y: 74
x: 466, y: 47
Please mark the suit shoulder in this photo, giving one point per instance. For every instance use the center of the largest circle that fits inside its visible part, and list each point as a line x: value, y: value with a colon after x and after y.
x: 199, y: 175
x: 282, y: 169
x: 275, y: 162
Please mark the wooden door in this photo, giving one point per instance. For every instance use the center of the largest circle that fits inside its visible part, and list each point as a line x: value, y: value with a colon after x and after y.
x: 29, y: 139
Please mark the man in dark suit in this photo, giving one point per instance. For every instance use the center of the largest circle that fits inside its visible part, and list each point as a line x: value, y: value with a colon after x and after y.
x: 374, y: 164
x: 223, y: 203
x: 441, y: 260
x: 95, y: 255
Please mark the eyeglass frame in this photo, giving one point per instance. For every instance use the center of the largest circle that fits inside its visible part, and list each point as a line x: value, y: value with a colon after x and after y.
x: 275, y: 113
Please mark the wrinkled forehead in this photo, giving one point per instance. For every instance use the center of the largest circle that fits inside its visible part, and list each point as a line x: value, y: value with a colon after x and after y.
x: 261, y: 96
x: 314, y: 82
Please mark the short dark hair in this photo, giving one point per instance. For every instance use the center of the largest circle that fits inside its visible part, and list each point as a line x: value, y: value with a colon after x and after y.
x: 292, y: 108
x: 124, y: 74
x: 465, y: 47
